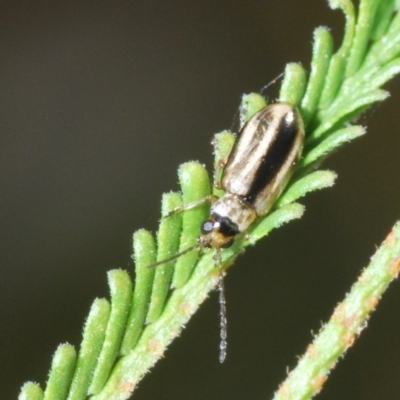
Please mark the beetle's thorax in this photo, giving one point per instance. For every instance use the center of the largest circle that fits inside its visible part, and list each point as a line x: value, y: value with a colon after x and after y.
x: 230, y: 215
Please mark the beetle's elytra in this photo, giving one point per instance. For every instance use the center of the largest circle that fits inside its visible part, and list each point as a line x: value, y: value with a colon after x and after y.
x: 258, y: 169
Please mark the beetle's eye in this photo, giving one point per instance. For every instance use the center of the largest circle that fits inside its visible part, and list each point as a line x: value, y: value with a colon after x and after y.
x: 207, y: 227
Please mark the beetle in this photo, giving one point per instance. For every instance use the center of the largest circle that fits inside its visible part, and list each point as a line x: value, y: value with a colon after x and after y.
x: 257, y: 170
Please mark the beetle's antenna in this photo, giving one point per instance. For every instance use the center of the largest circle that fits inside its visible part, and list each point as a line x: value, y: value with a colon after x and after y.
x: 175, y: 256
x: 222, y: 307
x: 271, y: 83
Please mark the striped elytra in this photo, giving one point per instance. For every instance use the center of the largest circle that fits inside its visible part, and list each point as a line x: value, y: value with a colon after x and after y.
x: 258, y: 169
x: 263, y: 158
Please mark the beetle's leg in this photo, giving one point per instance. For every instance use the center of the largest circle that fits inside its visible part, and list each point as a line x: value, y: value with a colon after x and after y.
x: 219, y: 168
x: 191, y: 205
x: 222, y: 143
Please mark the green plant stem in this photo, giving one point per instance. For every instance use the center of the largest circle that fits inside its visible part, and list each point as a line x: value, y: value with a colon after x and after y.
x: 347, y: 322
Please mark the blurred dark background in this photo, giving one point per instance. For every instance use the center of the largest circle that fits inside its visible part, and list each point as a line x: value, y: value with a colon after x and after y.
x: 100, y: 103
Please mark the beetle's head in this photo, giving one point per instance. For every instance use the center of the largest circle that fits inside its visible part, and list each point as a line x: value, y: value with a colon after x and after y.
x: 218, y: 232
